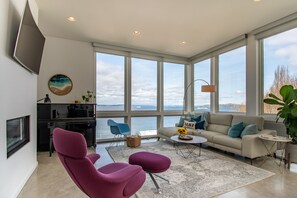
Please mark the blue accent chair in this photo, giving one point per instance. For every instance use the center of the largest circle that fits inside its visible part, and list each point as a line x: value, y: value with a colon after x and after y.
x: 119, y: 130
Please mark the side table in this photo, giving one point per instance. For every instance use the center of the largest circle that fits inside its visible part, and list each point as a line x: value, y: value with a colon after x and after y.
x: 282, y: 141
x: 133, y: 140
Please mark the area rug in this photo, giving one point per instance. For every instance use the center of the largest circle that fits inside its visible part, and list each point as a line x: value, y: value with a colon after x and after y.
x: 209, y: 175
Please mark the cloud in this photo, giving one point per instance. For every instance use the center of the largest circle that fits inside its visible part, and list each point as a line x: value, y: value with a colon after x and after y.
x: 289, y: 52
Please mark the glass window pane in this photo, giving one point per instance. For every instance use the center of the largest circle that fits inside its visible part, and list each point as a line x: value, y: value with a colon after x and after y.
x: 170, y: 121
x: 232, y: 81
x: 103, y: 130
x: 144, y: 85
x: 144, y: 125
x: 110, y: 82
x: 280, y: 64
x: 201, y: 99
x: 173, y: 86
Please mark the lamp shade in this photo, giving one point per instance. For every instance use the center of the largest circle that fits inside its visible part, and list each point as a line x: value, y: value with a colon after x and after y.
x: 208, y: 88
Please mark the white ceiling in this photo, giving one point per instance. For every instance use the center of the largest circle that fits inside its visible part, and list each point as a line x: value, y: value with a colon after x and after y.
x: 163, y: 23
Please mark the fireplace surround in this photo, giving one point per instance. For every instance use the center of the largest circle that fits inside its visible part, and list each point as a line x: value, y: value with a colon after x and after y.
x: 17, y: 134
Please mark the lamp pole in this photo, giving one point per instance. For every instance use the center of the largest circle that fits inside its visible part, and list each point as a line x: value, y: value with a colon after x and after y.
x: 204, y: 88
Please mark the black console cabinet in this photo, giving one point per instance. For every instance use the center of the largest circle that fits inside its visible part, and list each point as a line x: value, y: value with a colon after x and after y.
x: 74, y: 117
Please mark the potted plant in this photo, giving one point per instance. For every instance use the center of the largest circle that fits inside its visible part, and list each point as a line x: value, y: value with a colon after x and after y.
x: 88, y: 98
x: 287, y: 111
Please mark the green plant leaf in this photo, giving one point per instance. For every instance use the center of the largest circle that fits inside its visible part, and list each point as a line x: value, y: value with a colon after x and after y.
x: 274, y: 96
x: 272, y: 101
x: 294, y: 111
x: 285, y: 92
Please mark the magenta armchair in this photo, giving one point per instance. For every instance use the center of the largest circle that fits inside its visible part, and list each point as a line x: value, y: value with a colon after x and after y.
x: 115, y: 180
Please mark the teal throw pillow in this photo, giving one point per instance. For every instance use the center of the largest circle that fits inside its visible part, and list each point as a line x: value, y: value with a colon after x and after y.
x: 195, y: 118
x: 249, y: 130
x: 236, y: 130
x: 181, y: 121
x: 200, y: 125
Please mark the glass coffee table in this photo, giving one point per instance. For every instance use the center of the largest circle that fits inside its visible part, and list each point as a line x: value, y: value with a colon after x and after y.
x: 186, y: 148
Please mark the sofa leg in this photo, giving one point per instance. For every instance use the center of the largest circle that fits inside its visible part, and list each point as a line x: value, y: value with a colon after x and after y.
x: 158, y: 138
x: 251, y: 161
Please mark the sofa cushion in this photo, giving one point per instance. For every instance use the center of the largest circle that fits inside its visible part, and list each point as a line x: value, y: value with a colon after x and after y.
x: 207, y: 134
x: 257, y: 120
x: 218, y: 128
x: 228, y: 141
x: 200, y: 125
x: 235, y: 130
x: 189, y: 125
x: 195, y: 118
x: 220, y: 119
x: 167, y: 131
x: 249, y: 130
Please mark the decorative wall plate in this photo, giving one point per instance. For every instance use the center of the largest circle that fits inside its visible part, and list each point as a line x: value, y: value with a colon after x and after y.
x: 60, y: 84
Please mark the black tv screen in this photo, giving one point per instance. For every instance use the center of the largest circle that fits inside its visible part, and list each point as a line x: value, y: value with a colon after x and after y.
x: 29, y: 44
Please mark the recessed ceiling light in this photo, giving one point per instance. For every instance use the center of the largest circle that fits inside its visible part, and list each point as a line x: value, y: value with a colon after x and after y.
x: 72, y: 19
x: 183, y: 43
x: 136, y: 33
x: 257, y: 0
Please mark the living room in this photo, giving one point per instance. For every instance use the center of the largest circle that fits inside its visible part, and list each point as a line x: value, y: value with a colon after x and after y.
x: 67, y: 53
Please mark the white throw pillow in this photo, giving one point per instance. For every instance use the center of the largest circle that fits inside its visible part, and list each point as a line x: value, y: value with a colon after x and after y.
x: 189, y: 125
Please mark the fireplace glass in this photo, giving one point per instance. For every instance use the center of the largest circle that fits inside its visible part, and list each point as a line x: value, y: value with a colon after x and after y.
x: 17, y: 134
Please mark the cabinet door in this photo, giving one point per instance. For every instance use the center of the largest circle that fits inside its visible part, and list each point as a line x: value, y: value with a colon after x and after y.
x: 87, y: 129
x: 43, y: 136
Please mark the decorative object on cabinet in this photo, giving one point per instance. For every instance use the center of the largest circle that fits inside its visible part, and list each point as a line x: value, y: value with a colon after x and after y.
x: 46, y: 99
x: 88, y: 98
x: 60, y: 84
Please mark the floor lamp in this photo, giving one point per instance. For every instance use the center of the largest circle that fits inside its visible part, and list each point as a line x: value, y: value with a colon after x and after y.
x: 204, y: 88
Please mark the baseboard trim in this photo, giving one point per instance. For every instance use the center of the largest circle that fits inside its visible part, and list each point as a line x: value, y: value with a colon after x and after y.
x: 21, y: 186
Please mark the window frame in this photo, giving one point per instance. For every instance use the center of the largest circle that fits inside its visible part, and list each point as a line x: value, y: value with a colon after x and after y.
x: 260, y: 36
x: 159, y: 113
x: 217, y: 79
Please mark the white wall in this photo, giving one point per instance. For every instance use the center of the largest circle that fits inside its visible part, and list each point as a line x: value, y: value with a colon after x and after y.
x: 18, y: 90
x: 74, y: 59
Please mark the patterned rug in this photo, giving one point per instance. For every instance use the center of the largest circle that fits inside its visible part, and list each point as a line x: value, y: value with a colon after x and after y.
x: 205, y: 176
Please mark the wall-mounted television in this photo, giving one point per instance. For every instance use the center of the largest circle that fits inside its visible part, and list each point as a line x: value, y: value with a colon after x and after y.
x: 29, y: 44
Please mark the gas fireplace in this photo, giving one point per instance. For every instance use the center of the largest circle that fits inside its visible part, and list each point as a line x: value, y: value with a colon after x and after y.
x: 17, y: 134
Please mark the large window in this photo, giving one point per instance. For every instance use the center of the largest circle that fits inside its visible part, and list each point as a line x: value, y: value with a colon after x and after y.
x: 110, y: 85
x: 127, y: 91
x: 144, y: 85
x: 279, y: 64
x: 103, y: 130
x: 201, y: 99
x: 144, y: 125
x: 173, y: 86
x: 232, y: 81
x: 170, y: 121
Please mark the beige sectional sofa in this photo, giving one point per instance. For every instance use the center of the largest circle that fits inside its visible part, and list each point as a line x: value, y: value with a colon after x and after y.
x: 216, y: 133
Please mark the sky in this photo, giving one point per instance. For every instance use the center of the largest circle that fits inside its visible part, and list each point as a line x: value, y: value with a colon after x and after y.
x: 279, y: 49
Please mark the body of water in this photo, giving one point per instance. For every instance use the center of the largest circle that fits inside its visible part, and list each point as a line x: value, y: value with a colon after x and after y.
x: 146, y: 125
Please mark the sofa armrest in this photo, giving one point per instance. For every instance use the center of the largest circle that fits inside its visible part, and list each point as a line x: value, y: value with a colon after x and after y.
x: 252, y: 145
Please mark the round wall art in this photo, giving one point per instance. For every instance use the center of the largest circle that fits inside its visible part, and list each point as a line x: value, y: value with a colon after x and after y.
x: 60, y: 84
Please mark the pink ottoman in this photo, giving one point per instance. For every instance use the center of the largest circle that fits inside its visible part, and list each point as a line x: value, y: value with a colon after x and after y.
x: 151, y: 163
